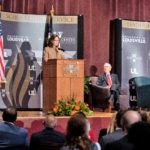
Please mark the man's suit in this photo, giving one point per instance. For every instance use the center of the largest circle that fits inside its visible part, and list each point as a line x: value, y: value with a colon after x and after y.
x: 115, y: 88
x: 122, y: 144
x: 12, y: 135
x: 46, y: 139
x: 112, y: 137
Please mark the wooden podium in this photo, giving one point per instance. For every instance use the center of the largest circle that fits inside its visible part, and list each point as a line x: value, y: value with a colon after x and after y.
x: 62, y: 78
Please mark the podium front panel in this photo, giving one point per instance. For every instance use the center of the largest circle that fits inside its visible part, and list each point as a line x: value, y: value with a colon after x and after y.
x: 62, y: 79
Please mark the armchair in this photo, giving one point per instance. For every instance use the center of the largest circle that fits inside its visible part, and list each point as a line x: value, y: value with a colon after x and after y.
x: 100, y: 96
x: 140, y: 91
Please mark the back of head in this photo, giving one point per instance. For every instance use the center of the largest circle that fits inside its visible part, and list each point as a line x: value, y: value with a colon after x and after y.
x: 115, y: 121
x: 80, y: 114
x: 144, y: 115
x: 77, y: 132
x: 76, y: 126
x: 119, y: 117
x: 130, y: 117
x: 10, y: 114
x: 50, y: 121
x: 139, y: 135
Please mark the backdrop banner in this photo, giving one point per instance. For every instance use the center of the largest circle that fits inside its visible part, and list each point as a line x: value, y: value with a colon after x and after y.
x: 68, y: 30
x: 24, y: 38
x: 132, y: 49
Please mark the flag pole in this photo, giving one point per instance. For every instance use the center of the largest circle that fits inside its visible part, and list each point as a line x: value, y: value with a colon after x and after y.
x: 50, y: 21
x: 52, y: 11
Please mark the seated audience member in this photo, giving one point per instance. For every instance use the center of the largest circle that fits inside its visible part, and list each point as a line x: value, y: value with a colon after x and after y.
x: 48, y: 138
x: 11, y: 135
x: 102, y: 133
x: 129, y: 118
x: 111, y: 81
x: 148, y: 117
x: 77, y: 135
x: 112, y: 124
x: 139, y: 135
x: 144, y: 115
x: 90, y: 132
x: 110, y: 128
x: 116, y: 134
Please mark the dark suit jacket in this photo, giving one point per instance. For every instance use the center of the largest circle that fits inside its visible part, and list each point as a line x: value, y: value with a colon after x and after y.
x: 102, y: 81
x: 12, y: 135
x: 46, y: 139
x: 112, y: 137
x: 121, y: 144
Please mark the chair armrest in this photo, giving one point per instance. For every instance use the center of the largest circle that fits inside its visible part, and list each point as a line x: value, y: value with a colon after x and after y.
x: 100, y: 90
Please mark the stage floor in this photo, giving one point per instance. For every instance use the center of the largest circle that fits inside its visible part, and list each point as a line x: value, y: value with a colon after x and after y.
x: 41, y: 114
x: 33, y: 121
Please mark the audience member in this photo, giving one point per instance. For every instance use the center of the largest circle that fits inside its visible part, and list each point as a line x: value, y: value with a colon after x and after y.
x: 77, y: 135
x: 148, y: 117
x: 112, y: 124
x: 129, y: 117
x: 111, y: 81
x: 90, y: 132
x: 102, y: 133
x: 139, y: 135
x: 48, y: 138
x: 10, y: 134
x: 111, y: 127
x: 116, y: 134
x: 144, y: 115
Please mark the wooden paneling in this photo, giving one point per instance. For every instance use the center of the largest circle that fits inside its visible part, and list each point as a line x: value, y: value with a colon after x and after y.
x: 63, y: 88
x: 77, y: 86
x: 62, y: 79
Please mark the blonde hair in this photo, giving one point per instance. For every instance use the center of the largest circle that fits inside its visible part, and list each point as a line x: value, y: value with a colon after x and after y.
x: 112, y: 125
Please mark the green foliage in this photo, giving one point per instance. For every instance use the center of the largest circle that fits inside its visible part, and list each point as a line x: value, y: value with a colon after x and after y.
x: 70, y: 107
x: 86, y: 87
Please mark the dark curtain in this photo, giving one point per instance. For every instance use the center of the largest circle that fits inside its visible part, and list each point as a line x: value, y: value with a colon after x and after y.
x: 97, y: 16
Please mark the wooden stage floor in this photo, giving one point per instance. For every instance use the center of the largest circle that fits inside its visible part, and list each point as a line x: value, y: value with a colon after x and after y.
x: 41, y: 114
x: 33, y: 121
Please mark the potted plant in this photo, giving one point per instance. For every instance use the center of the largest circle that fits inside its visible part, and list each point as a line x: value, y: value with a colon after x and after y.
x: 70, y: 107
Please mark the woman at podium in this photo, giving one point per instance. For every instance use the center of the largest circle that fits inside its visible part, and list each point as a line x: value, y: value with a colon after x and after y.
x: 52, y: 51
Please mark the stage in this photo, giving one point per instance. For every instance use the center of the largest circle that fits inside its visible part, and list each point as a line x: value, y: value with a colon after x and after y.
x: 33, y: 121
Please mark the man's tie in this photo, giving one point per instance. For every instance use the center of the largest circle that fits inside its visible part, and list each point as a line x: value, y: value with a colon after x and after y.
x: 109, y: 81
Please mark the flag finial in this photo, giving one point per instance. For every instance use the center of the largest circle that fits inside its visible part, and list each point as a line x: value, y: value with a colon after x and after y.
x: 52, y: 11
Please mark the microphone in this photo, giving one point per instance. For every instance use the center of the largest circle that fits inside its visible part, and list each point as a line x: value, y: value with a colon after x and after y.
x: 61, y: 49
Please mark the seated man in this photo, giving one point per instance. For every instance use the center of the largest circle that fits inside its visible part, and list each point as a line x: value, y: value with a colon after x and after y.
x: 10, y: 134
x: 110, y: 81
x: 48, y: 138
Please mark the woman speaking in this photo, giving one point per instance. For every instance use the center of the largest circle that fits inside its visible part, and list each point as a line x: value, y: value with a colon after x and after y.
x: 52, y: 51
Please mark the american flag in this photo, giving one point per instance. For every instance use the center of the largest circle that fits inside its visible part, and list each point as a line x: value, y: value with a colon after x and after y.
x: 2, y: 65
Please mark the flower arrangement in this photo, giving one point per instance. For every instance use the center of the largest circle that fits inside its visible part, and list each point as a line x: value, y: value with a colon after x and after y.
x: 70, y: 107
